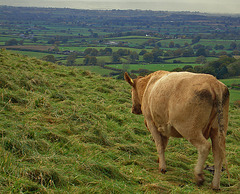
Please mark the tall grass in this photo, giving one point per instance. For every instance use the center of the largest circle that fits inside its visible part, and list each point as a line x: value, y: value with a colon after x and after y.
x: 65, y: 130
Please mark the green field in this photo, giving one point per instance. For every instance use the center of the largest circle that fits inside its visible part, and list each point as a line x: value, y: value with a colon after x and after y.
x: 65, y: 130
x: 181, y: 42
x: 35, y: 54
x: 150, y: 67
x: 234, y: 94
x: 135, y: 40
x: 213, y: 42
x: 190, y: 59
x: 96, y: 69
x: 82, y: 49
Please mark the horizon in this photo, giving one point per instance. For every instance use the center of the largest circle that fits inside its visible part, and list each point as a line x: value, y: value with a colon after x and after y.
x: 230, y: 8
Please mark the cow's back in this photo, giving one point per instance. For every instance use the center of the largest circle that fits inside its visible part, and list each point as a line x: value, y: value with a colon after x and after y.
x: 171, y: 100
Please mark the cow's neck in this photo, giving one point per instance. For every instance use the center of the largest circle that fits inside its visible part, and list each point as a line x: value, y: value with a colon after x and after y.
x: 141, y: 86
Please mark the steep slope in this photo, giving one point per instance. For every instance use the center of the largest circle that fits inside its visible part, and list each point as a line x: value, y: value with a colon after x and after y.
x: 67, y: 130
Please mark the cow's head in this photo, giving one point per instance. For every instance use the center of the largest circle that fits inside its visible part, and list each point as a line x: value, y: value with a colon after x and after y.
x: 136, y: 103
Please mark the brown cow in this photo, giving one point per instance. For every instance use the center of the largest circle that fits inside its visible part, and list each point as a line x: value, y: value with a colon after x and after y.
x: 189, y: 105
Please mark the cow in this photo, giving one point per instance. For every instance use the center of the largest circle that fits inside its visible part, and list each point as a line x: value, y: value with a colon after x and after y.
x: 184, y: 105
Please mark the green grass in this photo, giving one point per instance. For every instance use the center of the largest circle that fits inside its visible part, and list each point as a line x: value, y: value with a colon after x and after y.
x: 66, y: 130
x: 213, y: 42
x: 38, y: 55
x: 81, y: 49
x: 190, y: 59
x: 96, y: 69
x: 133, y: 39
x: 151, y: 67
x: 234, y: 94
x: 181, y: 42
x: 231, y: 81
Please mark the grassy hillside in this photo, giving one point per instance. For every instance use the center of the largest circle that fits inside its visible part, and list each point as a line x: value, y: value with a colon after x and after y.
x: 64, y: 130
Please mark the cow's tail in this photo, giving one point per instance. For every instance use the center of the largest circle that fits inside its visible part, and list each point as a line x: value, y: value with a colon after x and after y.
x: 221, y: 126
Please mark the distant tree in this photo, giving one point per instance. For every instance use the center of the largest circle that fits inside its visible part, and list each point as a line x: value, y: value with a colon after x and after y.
x: 90, y: 60
x: 201, y: 52
x: 91, y: 52
x: 213, y: 53
x: 11, y: 42
x: 71, y: 59
x: 186, y: 44
x: 187, y: 67
x: 178, y: 52
x: 95, y: 35
x: 219, y: 68
x: 222, y: 53
x: 51, y: 41
x: 201, y: 60
x: 177, y: 45
x: 209, y: 70
x: 234, y: 68
x: 87, y: 51
x: 159, y: 44
x: 57, y: 43
x: 168, y: 53
x: 222, y: 73
x: 142, y: 52
x: 64, y: 40
x: 196, y: 39
x: 198, y: 68
x: 21, y: 42
x: 171, y: 44
x: 35, y: 39
x: 49, y: 58
x: 178, y: 69
x: 116, y: 57
x: 198, y: 46
x: 94, y: 52
x: 108, y: 51
x: 188, y: 52
x: 233, y: 46
x: 156, y: 54
x: 236, y: 52
x: 133, y: 57
x: 148, y: 57
x: 56, y: 49
x: 219, y: 47
x: 123, y: 52
x: 150, y: 42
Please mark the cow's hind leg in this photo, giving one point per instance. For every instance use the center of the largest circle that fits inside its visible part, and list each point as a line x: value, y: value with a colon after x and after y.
x: 203, y: 147
x: 161, y: 143
x: 218, y: 155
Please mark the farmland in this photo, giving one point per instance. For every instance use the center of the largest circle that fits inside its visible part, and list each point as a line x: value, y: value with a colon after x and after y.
x: 126, y: 40
x: 65, y: 34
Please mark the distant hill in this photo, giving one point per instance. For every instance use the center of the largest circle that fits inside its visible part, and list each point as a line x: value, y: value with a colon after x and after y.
x: 63, y: 130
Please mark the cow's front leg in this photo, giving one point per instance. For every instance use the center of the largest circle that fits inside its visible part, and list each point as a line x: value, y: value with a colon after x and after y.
x: 161, y: 144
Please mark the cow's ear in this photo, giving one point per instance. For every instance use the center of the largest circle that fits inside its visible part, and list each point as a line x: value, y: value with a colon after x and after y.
x: 128, y: 79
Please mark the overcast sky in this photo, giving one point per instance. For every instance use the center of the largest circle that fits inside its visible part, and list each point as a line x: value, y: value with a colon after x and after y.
x: 211, y: 6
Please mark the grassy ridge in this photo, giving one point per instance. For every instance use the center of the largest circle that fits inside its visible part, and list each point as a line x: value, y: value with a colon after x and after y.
x: 67, y: 130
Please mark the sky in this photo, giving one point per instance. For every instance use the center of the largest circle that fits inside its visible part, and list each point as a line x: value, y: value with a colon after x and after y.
x: 206, y: 6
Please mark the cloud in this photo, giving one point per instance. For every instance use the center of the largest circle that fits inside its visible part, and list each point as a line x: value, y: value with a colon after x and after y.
x: 215, y: 6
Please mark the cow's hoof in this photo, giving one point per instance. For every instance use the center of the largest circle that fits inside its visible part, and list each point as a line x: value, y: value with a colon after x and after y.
x: 200, y: 179
x: 163, y: 171
x: 215, y: 188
